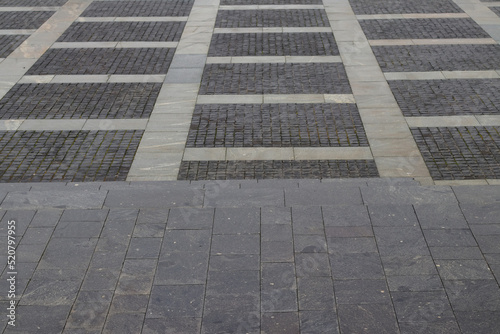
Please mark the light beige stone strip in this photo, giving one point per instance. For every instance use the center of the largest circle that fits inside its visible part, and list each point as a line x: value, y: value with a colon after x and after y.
x: 267, y: 7
x: 441, y: 75
x: 29, y: 9
x: 442, y: 121
x: 273, y: 59
x: 277, y: 98
x: 413, y: 16
x: 17, y: 31
x: 441, y: 41
x: 483, y: 16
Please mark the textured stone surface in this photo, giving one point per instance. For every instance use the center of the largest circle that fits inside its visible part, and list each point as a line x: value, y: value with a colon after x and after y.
x: 272, y: 18
x: 138, y: 8
x: 361, y: 7
x: 9, y: 43
x: 24, y: 20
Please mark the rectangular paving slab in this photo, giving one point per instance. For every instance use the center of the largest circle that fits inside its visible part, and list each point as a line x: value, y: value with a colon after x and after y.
x: 104, y: 61
x: 461, y: 152
x: 422, y: 28
x: 123, y: 32
x: 273, y: 44
x: 9, y: 43
x: 421, y: 58
x: 447, y: 97
x: 304, y: 78
x: 44, y: 156
x: 276, y: 125
x: 362, y: 7
x: 138, y: 8
x: 24, y: 20
x: 82, y: 100
x: 272, y: 18
x: 276, y: 169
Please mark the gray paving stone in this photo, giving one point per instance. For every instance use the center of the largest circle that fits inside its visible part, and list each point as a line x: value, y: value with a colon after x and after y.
x: 276, y: 232
x: 488, y: 243
x: 316, y: 293
x: 10, y: 43
x: 477, y: 322
x: 456, y: 253
x: 360, y: 292
x: 136, y: 277
x: 149, y: 231
x: 312, y: 264
x: 431, y: 306
x: 231, y: 322
x: 408, y: 241
x: 39, y: 235
x: 432, y: 216
x: 234, y: 262
x: 66, y: 253
x: 186, y: 241
x: 124, y: 322
x: 24, y: 19
x: 415, y: 283
x: 348, y: 232
x: 233, y: 283
x: 485, y: 197
x: 307, y: 220
x: 447, y: 326
x: 78, y: 230
x: 309, y: 244
x: 325, y: 196
x: 50, y: 293
x: 48, y: 319
x: 346, y: 215
x: 144, y: 248
x: 272, y: 18
x: 490, y: 229
x: 190, y: 218
x: 473, y: 295
x: 276, y: 251
x: 248, y: 198
x: 356, y: 266
x: 280, y: 322
x: 235, y: 244
x: 83, y: 215
x: 463, y: 269
x: 174, y: 325
x: 100, y: 279
x: 138, y: 198
x: 408, y: 195
x: 351, y: 245
x: 237, y: 221
x: 318, y: 322
x: 182, y: 268
x: 450, y: 238
x: 250, y: 304
x: 403, y: 6
x: 29, y: 253
x: 155, y: 216
x: 375, y: 317
x: 406, y: 265
x: 138, y: 8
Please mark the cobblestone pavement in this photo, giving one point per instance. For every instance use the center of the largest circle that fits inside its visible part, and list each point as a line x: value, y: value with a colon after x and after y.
x: 250, y: 166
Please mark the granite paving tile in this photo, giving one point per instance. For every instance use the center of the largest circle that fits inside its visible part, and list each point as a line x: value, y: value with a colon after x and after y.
x: 24, y: 19
x: 272, y: 18
x: 138, y: 8
x: 9, y: 43
x: 361, y: 7
x: 377, y: 317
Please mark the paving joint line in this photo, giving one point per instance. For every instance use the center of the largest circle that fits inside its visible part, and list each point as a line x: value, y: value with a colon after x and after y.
x: 442, y: 75
x: 412, y: 16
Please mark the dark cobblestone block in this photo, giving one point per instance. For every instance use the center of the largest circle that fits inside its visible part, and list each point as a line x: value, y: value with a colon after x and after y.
x: 447, y: 97
x: 495, y: 10
x: 104, y: 61
x: 82, y: 100
x: 32, y: 3
x: 139, y: 8
x: 460, y: 153
x: 301, y: 169
x: 9, y: 43
x: 403, y: 6
x: 276, y: 125
x: 270, y: 2
x: 123, y: 31
x: 23, y: 20
x: 272, y: 18
x: 44, y: 156
x: 416, y: 58
x: 422, y: 28
x: 308, y: 78
x: 283, y: 44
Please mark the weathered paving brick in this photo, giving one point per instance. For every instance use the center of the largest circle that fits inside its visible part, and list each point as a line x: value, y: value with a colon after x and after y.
x: 447, y: 97
x: 272, y: 18
x: 24, y: 20
x: 41, y: 156
x: 32, y: 3
x: 271, y: 44
x: 82, y: 100
x: 461, y: 152
x: 276, y: 169
x: 422, y: 28
x: 276, y: 125
x: 9, y: 43
x: 416, y: 58
x: 303, y: 78
x: 139, y: 8
x: 104, y: 61
x: 123, y: 31
x: 361, y: 7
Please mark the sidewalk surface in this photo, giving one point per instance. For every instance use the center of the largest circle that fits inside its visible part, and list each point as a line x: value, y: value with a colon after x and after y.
x: 250, y: 166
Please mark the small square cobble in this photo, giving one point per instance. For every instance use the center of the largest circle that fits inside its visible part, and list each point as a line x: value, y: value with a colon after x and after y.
x: 32, y: 3
x: 24, y: 20
x: 123, y: 31
x: 447, y: 97
x: 421, y: 58
x: 308, y: 78
x: 276, y: 125
x: 138, y: 8
x: 9, y: 43
x: 362, y: 7
x: 82, y: 100
x: 461, y: 152
x: 285, y: 44
x: 104, y: 61
x: 270, y: 2
x: 44, y: 156
x: 422, y: 28
x: 276, y: 169
x: 272, y: 18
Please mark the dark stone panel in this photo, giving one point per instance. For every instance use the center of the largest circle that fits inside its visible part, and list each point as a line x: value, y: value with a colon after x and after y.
x: 303, y: 78
x: 276, y: 169
x: 361, y: 7
x: 123, y: 31
x: 421, y: 58
x: 82, y: 100
x: 104, y: 61
x: 461, y: 152
x: 138, y: 8
x: 44, y: 156
x: 272, y: 18
x: 422, y: 28
x: 270, y: 2
x: 276, y: 125
x: 24, y: 20
x: 447, y: 97
x: 32, y: 3
x: 9, y: 43
x: 273, y: 44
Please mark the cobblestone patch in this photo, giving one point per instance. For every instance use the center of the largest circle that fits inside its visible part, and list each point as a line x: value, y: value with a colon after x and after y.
x: 82, y: 100
x: 460, y: 153
x: 496, y: 10
x: 72, y: 156
x: 422, y: 28
x: 9, y: 43
x: 289, y: 44
x: 308, y: 78
x: 32, y: 3
x: 24, y: 20
x: 104, y: 61
x: 138, y: 8
x: 272, y: 18
x: 447, y: 97
x: 416, y: 58
x: 123, y: 31
x: 270, y: 2
x: 276, y: 125
x: 276, y: 169
x: 367, y: 7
